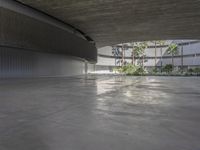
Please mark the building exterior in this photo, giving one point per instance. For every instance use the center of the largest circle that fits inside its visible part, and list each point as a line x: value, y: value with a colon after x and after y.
x: 188, y: 55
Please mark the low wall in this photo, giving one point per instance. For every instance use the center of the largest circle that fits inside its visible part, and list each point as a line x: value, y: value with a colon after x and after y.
x: 18, y: 63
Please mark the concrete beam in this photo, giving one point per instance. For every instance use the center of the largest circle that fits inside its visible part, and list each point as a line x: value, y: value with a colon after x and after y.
x: 24, y: 28
x: 115, y: 21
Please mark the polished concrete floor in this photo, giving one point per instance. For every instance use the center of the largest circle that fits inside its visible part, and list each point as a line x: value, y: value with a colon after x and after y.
x: 100, y: 113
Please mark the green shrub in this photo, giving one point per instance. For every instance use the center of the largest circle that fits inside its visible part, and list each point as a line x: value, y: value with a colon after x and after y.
x: 155, y: 70
x: 130, y: 69
x: 117, y: 69
x: 140, y: 71
x: 190, y: 70
x: 196, y: 70
x: 168, y: 68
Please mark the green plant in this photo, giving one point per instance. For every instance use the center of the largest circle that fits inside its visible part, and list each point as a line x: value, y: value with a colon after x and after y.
x: 193, y: 71
x: 161, y: 43
x: 118, y: 69
x: 133, y: 54
x: 155, y: 70
x: 173, y: 50
x: 167, y: 68
x: 197, y: 70
x: 139, y: 50
x: 130, y: 69
x: 140, y: 71
x: 190, y: 70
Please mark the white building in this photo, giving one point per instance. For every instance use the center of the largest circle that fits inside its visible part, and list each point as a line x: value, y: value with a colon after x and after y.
x: 188, y: 55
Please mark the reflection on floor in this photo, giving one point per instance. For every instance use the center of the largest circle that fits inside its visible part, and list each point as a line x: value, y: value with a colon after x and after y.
x: 100, y: 113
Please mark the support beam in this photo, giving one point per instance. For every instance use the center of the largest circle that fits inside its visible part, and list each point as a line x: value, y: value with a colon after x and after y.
x: 25, y: 28
x: 111, y: 22
x: 33, y: 44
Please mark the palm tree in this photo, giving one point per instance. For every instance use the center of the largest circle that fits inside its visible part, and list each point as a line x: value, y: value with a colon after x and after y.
x: 161, y: 43
x: 116, y: 53
x: 182, y: 57
x: 124, y: 48
x: 139, y: 50
x: 155, y: 52
x: 155, y: 42
x: 133, y: 54
x: 122, y: 52
x: 144, y: 45
x: 173, y: 50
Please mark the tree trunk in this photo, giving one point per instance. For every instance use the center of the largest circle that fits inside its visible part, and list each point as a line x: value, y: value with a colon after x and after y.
x: 115, y: 61
x: 143, y: 60
x: 133, y: 59
x: 122, y: 56
x: 155, y: 54
x: 172, y: 60
x: 182, y: 59
x: 161, y: 60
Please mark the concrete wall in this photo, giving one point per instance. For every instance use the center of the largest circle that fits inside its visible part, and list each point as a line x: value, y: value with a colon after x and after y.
x: 18, y: 63
x: 35, y: 44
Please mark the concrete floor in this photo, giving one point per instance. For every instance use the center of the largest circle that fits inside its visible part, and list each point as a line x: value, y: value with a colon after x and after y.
x: 100, y: 113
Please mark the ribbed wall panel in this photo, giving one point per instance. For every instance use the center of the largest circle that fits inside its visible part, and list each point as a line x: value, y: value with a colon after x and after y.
x: 18, y: 63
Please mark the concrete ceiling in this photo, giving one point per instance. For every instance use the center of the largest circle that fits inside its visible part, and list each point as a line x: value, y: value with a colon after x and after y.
x: 110, y: 22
